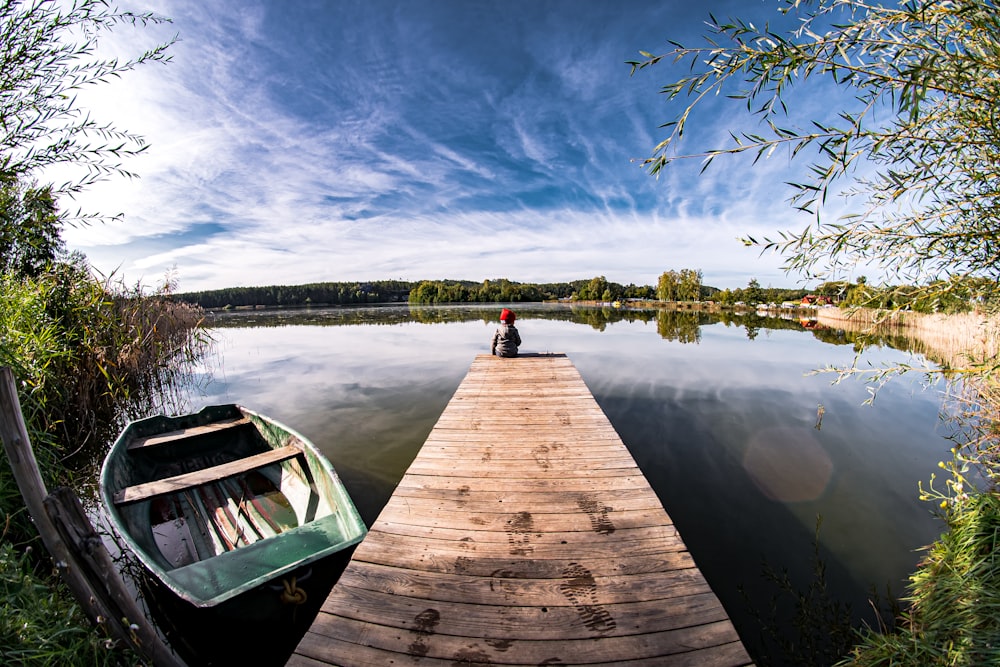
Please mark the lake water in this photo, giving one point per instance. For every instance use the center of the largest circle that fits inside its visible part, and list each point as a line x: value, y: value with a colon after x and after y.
x: 722, y: 418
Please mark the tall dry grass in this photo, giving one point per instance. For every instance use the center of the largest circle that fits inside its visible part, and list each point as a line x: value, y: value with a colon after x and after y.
x: 87, y: 355
x: 965, y: 341
x: 953, y: 614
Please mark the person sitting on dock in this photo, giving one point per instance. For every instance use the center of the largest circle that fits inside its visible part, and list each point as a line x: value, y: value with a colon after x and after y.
x: 506, y: 340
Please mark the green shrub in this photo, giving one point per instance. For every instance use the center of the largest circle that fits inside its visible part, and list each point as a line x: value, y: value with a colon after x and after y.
x: 86, y: 355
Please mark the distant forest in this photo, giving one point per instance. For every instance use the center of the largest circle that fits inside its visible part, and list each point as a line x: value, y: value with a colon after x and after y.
x: 421, y: 292
x: 681, y: 286
x: 320, y: 294
x: 504, y: 291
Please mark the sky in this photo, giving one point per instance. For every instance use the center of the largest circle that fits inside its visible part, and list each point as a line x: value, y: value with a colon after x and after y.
x: 297, y: 141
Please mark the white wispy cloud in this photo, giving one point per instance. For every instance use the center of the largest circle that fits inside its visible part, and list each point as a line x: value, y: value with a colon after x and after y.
x: 357, y: 141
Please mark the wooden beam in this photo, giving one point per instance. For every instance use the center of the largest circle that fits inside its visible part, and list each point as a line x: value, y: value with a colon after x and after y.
x: 184, y: 433
x: 187, y: 480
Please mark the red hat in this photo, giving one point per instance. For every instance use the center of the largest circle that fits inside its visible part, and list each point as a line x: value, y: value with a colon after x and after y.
x: 507, y: 316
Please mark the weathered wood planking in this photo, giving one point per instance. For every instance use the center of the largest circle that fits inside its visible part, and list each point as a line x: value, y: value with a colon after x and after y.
x: 522, y: 534
x: 185, y: 433
x: 187, y: 480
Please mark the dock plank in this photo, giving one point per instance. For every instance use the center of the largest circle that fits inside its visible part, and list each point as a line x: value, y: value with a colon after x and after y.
x: 522, y: 534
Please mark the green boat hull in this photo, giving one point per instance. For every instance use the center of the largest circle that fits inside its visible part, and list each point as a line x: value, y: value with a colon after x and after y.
x: 210, y: 542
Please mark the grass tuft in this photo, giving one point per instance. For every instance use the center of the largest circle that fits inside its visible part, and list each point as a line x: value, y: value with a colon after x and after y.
x: 87, y: 355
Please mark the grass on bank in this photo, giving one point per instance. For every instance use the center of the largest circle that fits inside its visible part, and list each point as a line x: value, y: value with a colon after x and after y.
x: 87, y: 355
x: 40, y: 622
x: 953, y: 598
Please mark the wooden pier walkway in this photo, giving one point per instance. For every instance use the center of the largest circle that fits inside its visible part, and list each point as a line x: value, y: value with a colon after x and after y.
x: 522, y: 534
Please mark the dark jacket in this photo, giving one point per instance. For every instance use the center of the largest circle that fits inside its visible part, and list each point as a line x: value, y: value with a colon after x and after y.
x: 505, y: 341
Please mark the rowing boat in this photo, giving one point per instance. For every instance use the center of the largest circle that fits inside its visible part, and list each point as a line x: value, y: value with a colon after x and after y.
x: 226, y: 503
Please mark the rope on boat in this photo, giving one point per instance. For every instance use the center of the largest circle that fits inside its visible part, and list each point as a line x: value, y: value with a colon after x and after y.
x: 292, y: 593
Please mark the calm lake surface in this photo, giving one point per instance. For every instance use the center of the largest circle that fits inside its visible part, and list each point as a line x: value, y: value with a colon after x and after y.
x: 721, y: 418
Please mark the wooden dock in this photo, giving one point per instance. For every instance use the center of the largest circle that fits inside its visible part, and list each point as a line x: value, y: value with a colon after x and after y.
x: 522, y: 534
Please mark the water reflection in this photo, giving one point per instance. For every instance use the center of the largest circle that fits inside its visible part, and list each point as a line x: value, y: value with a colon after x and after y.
x: 719, y: 413
x: 681, y: 326
x: 392, y: 314
x: 788, y: 464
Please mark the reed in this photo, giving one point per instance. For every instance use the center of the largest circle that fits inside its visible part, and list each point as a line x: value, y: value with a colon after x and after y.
x: 953, y: 616
x: 88, y: 354
x: 964, y: 341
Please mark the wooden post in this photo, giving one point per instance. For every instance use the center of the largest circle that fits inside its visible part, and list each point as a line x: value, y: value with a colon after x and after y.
x: 108, y: 603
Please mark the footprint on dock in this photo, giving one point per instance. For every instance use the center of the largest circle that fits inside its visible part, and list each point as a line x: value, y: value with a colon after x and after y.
x: 519, y: 529
x: 501, y: 645
x: 424, y: 624
x: 496, y: 580
x: 564, y: 418
x: 541, y: 454
x: 597, y: 512
x: 471, y: 655
x: 580, y: 589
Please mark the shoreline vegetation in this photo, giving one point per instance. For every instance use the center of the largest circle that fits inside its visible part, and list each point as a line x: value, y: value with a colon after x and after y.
x: 950, y: 614
x: 88, y: 355
x: 959, y: 341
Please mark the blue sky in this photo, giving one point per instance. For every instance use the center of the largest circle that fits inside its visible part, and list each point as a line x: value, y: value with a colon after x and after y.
x: 298, y: 141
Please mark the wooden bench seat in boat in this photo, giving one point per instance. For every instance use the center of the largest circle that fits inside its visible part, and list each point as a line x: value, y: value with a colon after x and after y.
x: 176, y: 483
x: 182, y: 434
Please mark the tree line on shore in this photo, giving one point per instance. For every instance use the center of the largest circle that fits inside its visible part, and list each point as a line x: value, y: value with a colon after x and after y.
x: 499, y: 290
x: 326, y: 293
x: 673, y: 286
x: 502, y: 290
